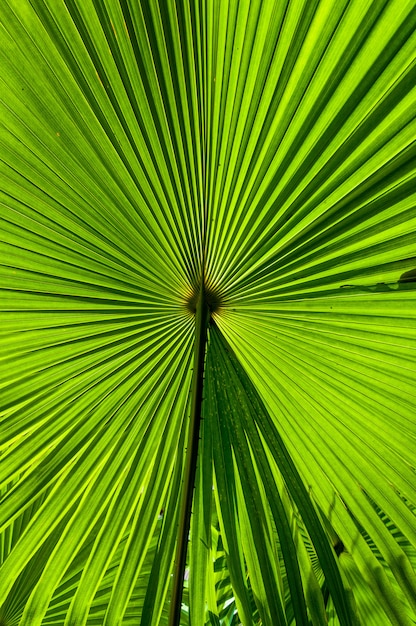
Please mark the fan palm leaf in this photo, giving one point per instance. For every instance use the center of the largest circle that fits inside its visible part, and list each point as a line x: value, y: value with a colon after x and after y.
x: 249, y: 165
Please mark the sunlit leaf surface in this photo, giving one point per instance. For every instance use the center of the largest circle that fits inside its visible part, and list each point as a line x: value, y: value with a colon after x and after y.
x: 269, y: 145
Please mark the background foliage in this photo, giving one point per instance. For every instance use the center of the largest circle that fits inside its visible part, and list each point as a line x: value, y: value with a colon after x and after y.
x: 274, y: 143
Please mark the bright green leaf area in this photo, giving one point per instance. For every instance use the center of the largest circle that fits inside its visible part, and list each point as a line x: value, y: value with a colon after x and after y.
x: 257, y: 158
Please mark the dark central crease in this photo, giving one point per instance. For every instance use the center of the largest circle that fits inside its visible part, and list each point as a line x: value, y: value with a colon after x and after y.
x: 202, y: 316
x: 212, y: 297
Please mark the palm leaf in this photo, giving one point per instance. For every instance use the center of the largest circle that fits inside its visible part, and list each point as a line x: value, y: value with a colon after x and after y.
x: 266, y: 149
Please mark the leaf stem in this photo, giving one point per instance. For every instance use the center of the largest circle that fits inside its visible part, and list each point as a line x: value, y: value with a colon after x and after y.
x: 201, y: 326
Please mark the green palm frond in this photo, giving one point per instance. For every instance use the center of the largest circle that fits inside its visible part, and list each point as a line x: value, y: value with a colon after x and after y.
x: 253, y: 160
